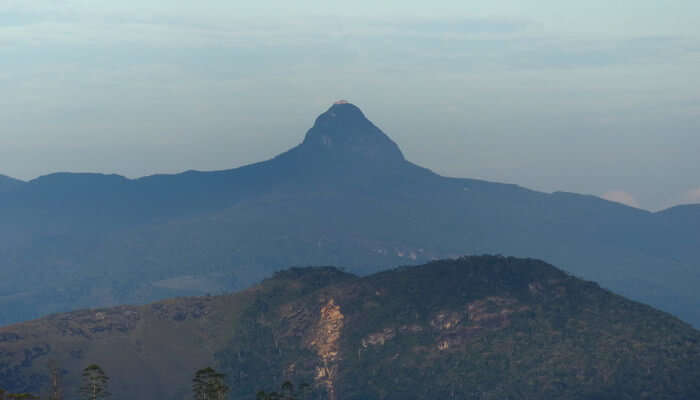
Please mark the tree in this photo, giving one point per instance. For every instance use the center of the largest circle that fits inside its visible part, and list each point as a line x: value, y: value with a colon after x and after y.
x: 262, y: 395
x: 288, y: 389
x: 287, y: 392
x: 56, y: 392
x: 209, y: 385
x: 95, y: 382
x: 304, y: 390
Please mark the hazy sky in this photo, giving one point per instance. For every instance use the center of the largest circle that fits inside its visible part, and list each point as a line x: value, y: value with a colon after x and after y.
x: 592, y: 97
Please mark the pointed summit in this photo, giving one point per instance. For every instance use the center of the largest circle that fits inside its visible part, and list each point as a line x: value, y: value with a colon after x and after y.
x: 344, y: 131
x: 344, y: 146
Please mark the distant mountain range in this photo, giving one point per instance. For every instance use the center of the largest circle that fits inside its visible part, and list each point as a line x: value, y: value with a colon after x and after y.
x: 345, y: 196
x: 7, y: 183
x: 470, y: 328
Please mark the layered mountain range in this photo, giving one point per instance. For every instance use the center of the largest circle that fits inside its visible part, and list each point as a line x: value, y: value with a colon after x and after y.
x: 469, y: 328
x: 345, y: 196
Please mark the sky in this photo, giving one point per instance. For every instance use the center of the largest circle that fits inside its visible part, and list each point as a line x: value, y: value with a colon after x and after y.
x: 592, y: 97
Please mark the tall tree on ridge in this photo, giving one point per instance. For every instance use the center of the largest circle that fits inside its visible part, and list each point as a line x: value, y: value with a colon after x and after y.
x: 95, y: 382
x: 56, y: 392
x: 209, y: 385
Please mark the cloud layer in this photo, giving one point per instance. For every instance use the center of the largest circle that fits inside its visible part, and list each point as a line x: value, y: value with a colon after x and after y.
x: 693, y: 196
x: 623, y: 197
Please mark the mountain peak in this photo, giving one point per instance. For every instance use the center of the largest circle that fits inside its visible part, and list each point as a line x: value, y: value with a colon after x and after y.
x: 343, y: 130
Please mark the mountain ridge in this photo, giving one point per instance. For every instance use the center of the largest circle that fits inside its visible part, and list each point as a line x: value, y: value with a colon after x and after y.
x: 8, y: 183
x: 469, y: 327
x: 71, y: 241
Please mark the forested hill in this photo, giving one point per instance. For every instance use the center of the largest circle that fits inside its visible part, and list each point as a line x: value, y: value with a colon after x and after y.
x: 468, y: 328
x: 344, y: 196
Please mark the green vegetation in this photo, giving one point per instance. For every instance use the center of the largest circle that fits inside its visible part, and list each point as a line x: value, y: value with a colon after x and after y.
x: 485, y: 327
x: 56, y: 388
x: 95, y: 383
x: 16, y: 396
x: 476, y: 327
x: 287, y: 392
x: 209, y: 385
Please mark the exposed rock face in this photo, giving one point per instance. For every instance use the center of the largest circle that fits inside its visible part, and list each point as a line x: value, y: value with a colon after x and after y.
x: 326, y: 343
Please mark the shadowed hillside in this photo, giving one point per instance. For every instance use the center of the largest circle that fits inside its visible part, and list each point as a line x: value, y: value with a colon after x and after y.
x: 474, y: 328
x: 344, y: 196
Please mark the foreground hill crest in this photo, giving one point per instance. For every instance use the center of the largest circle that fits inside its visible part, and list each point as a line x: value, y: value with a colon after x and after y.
x: 473, y: 327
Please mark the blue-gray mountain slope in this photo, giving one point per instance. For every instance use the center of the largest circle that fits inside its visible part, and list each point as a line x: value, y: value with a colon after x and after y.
x: 344, y: 196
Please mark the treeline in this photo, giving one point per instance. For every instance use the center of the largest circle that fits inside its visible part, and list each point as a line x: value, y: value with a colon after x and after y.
x: 207, y: 384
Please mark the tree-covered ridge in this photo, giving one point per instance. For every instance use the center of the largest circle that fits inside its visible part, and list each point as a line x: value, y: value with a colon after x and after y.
x: 477, y: 326
x: 473, y: 327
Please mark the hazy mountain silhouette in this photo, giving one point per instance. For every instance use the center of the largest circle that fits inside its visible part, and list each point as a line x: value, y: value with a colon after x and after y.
x: 344, y: 196
x: 7, y: 183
